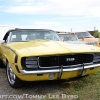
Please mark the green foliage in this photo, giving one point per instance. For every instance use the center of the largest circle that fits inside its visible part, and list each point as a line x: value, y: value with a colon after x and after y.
x: 96, y: 33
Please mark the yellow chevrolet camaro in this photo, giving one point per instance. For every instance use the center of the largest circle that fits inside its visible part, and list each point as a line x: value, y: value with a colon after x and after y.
x: 38, y: 54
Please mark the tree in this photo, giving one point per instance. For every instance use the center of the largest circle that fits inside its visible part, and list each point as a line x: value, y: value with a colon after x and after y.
x: 96, y: 33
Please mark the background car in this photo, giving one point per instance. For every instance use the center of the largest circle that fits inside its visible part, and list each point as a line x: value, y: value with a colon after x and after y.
x: 70, y: 38
x: 87, y: 38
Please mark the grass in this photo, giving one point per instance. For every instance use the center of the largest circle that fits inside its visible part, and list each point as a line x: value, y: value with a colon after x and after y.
x: 86, y: 88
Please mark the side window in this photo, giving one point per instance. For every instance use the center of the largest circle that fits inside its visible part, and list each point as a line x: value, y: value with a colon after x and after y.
x: 79, y: 35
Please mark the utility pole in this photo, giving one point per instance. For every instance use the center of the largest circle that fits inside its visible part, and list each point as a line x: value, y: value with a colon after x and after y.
x: 94, y: 28
x: 71, y: 29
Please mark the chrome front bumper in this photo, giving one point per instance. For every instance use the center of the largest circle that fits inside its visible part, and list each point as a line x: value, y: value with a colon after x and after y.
x: 58, y: 70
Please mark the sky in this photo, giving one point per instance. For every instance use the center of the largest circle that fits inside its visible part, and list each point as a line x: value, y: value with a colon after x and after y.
x: 59, y: 15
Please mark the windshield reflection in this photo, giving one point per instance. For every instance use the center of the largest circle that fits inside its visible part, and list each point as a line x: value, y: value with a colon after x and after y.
x: 28, y: 35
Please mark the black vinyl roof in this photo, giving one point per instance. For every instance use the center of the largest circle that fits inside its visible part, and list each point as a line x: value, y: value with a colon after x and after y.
x: 18, y: 29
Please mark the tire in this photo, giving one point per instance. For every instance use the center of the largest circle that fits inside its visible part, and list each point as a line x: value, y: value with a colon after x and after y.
x: 13, y: 80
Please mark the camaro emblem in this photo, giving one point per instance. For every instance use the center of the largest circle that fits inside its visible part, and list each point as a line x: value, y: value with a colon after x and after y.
x: 70, y: 59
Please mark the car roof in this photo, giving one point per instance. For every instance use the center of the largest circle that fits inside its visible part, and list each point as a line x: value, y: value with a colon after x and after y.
x: 18, y: 29
x: 82, y: 32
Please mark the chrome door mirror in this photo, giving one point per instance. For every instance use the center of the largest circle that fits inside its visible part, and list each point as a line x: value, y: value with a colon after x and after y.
x: 2, y: 41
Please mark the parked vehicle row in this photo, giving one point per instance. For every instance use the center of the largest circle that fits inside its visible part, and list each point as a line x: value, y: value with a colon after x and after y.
x: 69, y: 38
x: 83, y: 37
x: 87, y: 38
x: 39, y: 54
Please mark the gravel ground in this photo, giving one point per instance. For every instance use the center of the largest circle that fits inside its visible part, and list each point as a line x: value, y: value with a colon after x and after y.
x: 43, y: 88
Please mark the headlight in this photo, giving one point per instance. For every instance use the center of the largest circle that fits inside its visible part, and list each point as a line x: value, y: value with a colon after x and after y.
x: 30, y: 62
x: 31, y: 58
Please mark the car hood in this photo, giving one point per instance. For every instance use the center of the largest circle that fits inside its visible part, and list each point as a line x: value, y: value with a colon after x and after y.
x: 47, y: 47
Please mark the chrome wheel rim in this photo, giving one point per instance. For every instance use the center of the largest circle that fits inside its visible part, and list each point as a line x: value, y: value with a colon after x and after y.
x: 10, y: 74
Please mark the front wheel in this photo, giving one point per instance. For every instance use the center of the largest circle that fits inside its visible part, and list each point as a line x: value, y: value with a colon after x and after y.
x: 13, y: 80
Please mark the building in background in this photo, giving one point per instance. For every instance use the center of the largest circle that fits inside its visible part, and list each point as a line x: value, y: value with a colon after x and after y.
x: 91, y: 32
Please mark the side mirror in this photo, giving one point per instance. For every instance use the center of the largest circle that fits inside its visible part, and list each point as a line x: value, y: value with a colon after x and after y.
x: 2, y: 41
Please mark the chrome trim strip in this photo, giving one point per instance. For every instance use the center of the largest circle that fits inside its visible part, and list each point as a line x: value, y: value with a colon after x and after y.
x: 57, y: 70
x: 66, y: 66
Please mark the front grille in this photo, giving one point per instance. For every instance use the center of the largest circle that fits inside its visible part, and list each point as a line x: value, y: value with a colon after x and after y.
x: 65, y: 60
x: 96, y: 59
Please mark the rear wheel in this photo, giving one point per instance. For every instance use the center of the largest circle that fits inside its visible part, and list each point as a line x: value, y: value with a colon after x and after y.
x: 13, y: 80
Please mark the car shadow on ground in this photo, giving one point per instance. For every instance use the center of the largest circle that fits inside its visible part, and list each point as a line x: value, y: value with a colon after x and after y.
x: 52, y: 86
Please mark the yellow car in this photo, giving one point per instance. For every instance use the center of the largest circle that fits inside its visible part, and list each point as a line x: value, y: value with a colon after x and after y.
x: 39, y: 54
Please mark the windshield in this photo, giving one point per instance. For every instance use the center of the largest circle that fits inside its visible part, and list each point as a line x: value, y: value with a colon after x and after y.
x: 83, y: 34
x: 27, y: 35
x: 68, y: 37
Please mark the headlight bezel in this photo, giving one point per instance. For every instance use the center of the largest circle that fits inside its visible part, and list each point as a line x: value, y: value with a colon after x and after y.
x: 26, y: 62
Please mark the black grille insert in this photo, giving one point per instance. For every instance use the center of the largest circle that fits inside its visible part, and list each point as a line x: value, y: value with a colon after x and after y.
x: 65, y: 60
